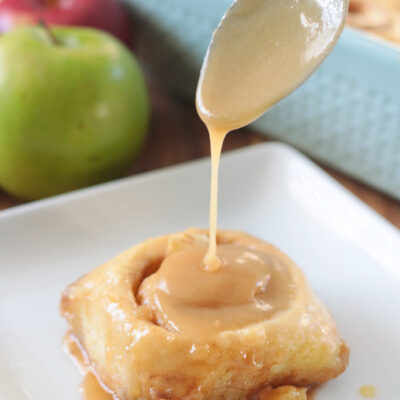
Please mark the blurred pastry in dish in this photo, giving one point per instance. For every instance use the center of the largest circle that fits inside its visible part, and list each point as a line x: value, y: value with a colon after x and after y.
x: 153, y: 323
x: 379, y: 17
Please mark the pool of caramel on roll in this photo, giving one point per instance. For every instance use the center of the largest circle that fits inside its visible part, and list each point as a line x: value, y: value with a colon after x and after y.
x: 248, y: 287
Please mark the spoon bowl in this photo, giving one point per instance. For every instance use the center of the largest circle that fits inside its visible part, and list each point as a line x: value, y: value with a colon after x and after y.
x: 261, y: 51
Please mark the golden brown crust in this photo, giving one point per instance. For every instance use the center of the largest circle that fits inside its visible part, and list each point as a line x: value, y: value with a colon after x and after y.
x: 135, y: 358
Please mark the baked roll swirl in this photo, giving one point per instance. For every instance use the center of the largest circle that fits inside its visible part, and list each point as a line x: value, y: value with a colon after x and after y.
x: 151, y: 326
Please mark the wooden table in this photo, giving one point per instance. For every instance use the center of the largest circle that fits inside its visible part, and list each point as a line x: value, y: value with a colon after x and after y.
x: 177, y: 135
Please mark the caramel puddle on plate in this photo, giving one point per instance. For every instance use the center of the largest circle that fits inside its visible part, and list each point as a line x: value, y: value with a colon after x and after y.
x: 312, y: 392
x: 260, y: 52
x: 368, y: 391
x: 90, y: 388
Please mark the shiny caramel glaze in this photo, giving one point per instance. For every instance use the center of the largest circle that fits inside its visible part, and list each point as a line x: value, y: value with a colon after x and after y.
x: 90, y: 388
x: 249, y: 287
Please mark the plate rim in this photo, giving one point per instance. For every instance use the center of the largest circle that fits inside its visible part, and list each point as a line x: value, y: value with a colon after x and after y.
x: 276, y: 146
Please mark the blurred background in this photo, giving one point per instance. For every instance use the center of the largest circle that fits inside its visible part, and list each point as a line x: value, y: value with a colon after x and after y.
x: 79, y: 107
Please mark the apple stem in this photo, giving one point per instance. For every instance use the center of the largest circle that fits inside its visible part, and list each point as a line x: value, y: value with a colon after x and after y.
x: 49, y: 32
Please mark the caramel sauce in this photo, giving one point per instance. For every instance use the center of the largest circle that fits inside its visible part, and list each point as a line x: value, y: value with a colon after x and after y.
x: 260, y: 52
x: 90, y: 387
x: 368, y: 391
x: 312, y: 393
x: 249, y: 287
x: 216, y: 141
x: 72, y: 347
x: 92, y: 390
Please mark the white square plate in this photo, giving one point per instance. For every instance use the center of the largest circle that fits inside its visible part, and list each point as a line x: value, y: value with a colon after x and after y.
x: 350, y: 255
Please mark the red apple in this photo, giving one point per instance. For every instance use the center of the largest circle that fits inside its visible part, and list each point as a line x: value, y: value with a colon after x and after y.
x: 108, y: 15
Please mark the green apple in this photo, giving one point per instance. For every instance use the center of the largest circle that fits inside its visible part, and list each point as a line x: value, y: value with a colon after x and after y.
x: 74, y: 109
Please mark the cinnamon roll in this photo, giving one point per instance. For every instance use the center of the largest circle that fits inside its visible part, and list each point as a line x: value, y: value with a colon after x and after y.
x: 153, y: 323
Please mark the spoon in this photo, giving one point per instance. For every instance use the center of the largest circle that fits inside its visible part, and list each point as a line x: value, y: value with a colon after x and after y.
x: 260, y: 52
